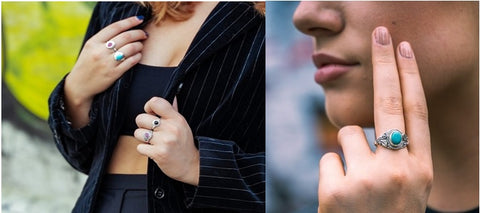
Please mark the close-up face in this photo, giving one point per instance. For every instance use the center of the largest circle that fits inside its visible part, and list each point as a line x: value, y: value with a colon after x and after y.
x: 443, y: 35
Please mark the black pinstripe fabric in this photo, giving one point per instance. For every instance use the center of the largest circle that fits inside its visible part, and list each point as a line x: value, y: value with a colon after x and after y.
x: 220, y: 88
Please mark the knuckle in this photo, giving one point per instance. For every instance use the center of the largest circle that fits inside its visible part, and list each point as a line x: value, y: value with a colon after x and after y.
x: 117, y: 26
x: 348, y: 131
x: 170, y: 139
x: 366, y: 184
x: 328, y: 157
x: 127, y: 36
x: 391, y: 105
x: 398, y: 178
x: 160, y: 154
x: 426, y: 176
x: 417, y: 109
x: 384, y: 59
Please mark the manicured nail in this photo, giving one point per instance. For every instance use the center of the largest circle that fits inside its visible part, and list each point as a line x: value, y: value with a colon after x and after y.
x: 382, y: 36
x: 405, y: 50
x: 146, y: 33
x: 140, y: 18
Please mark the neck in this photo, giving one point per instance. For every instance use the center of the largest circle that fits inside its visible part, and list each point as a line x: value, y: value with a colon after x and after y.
x: 454, y: 138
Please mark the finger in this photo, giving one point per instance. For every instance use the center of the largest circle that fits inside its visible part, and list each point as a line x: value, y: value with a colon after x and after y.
x: 160, y: 107
x: 144, y: 135
x: 355, y: 147
x: 130, y: 50
x: 128, y: 63
x: 414, y: 102
x: 146, y: 149
x: 331, y: 171
x: 116, y: 28
x: 145, y: 121
x: 388, y: 110
x: 128, y: 37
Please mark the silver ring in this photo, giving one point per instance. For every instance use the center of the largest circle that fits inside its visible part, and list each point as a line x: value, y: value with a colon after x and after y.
x: 155, y: 123
x: 118, y: 56
x: 110, y: 45
x: 147, y: 136
x: 392, y: 139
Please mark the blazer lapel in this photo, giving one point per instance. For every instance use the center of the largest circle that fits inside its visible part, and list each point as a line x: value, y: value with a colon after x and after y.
x: 225, y: 22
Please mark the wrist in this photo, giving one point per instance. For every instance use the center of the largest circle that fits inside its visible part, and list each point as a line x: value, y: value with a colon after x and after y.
x: 74, y: 96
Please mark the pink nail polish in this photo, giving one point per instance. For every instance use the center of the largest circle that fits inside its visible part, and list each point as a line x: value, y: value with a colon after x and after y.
x: 405, y: 50
x: 382, y: 36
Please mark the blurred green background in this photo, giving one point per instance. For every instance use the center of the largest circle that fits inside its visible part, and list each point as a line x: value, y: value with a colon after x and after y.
x: 40, y: 43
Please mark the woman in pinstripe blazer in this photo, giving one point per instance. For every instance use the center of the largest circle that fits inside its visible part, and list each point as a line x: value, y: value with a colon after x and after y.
x: 207, y: 153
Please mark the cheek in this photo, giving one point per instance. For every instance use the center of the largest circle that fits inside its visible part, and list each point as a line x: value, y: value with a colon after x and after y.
x: 446, y: 63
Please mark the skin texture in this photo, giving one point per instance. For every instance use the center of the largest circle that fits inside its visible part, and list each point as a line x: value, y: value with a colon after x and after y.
x: 170, y: 141
x: 164, y: 45
x: 99, y: 71
x: 386, y: 89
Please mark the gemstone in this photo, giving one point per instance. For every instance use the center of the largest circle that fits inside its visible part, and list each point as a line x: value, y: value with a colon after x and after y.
x: 118, y: 56
x: 396, y: 137
x: 110, y: 44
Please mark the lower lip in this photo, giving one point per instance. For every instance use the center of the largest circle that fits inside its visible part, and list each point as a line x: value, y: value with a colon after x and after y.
x: 331, y: 72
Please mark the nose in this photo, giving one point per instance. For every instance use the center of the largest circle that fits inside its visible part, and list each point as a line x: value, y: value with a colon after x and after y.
x: 318, y: 19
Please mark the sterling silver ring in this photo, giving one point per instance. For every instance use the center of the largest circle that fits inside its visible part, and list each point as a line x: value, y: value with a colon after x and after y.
x: 110, y: 45
x: 118, y: 56
x: 155, y: 123
x: 147, y: 136
x: 392, y: 139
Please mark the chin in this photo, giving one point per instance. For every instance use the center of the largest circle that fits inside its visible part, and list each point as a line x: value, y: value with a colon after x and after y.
x: 349, y: 110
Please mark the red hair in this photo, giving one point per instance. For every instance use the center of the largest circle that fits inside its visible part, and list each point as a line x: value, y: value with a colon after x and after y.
x: 181, y: 10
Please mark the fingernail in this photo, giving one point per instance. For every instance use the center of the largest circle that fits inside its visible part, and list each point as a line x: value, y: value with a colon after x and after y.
x: 381, y: 36
x: 146, y: 33
x: 405, y: 50
x: 140, y: 18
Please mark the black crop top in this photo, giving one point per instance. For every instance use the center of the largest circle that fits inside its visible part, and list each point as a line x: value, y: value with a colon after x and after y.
x: 147, y: 82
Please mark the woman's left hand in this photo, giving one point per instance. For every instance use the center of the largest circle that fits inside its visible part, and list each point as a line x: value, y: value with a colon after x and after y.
x: 171, y: 143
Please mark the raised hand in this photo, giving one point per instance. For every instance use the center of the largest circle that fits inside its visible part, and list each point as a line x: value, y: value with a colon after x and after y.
x: 387, y: 180
x: 169, y: 143
x: 96, y: 68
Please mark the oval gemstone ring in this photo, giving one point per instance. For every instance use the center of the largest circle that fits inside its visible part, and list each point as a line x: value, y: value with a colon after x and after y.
x: 118, y: 56
x: 392, y: 139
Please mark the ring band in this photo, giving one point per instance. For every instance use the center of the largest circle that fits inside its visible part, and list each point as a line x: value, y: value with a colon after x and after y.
x: 110, y: 45
x: 392, y: 139
x: 147, y: 136
x: 118, y: 56
x: 155, y: 123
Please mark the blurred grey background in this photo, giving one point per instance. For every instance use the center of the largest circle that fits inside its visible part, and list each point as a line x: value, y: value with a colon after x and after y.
x: 40, y: 42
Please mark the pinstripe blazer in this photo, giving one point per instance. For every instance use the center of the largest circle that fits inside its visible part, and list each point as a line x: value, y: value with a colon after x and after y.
x: 220, y: 87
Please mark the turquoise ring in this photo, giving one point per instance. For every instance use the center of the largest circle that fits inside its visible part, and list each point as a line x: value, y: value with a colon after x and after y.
x: 392, y: 139
x: 118, y: 56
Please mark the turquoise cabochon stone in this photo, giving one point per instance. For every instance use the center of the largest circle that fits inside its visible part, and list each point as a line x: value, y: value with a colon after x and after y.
x: 396, y: 137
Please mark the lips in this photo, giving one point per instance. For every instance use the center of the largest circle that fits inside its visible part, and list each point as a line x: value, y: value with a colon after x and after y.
x: 330, y: 68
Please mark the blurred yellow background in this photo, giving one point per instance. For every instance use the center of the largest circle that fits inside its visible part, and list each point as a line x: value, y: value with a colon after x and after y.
x: 40, y: 43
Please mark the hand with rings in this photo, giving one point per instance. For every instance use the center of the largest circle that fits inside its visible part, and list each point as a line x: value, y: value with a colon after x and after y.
x: 397, y: 177
x: 168, y: 141
x: 103, y: 59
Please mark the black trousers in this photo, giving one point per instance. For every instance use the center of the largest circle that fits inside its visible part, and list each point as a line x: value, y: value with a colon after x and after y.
x: 122, y: 194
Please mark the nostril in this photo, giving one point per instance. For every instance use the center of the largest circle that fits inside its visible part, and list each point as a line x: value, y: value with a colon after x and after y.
x: 319, y: 31
x: 319, y: 20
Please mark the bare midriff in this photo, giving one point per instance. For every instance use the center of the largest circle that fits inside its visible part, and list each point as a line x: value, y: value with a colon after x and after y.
x: 126, y: 159
x: 165, y: 47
